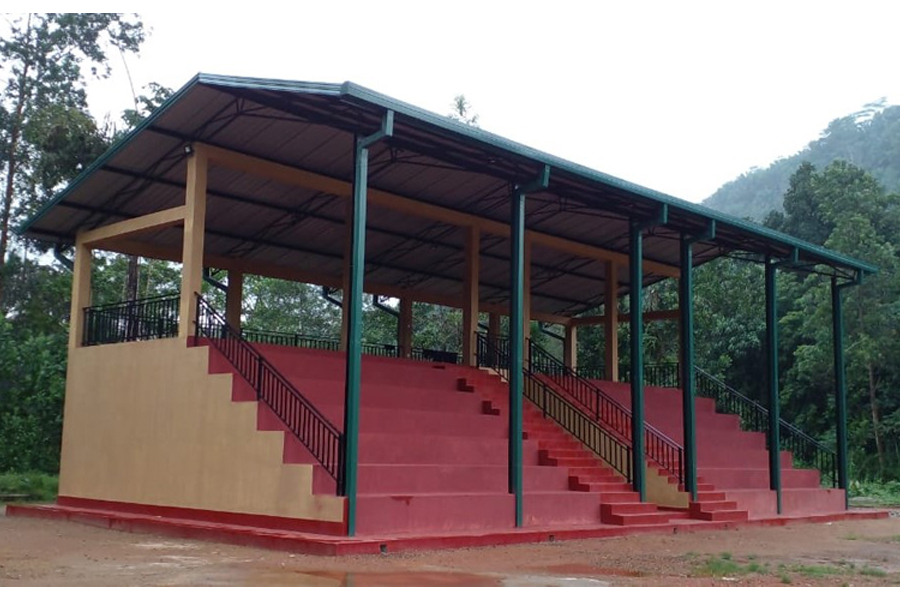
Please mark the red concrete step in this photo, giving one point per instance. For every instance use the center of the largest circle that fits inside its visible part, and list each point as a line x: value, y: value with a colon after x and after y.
x: 612, y: 515
x: 710, y: 496
x: 758, y: 478
x: 713, y: 505
x: 630, y: 508
x: 722, y: 515
x: 396, y: 513
x: 378, y: 448
x: 447, y: 479
x: 594, y: 471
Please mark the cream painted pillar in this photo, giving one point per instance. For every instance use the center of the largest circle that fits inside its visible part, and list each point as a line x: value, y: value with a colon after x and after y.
x: 570, y: 347
x: 405, y: 331
x: 234, y: 299
x: 611, y: 323
x: 194, y: 232
x: 494, y: 325
x: 470, y: 295
x: 81, y: 293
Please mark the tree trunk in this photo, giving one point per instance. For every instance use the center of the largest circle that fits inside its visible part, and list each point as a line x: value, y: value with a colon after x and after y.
x: 876, y: 418
x: 14, y: 133
x: 131, y: 281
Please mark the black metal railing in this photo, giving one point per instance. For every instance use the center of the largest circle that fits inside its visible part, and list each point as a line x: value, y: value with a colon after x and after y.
x: 493, y: 352
x: 755, y: 417
x: 657, y: 375
x: 658, y: 447
x: 135, y: 320
x: 323, y: 440
x: 279, y: 338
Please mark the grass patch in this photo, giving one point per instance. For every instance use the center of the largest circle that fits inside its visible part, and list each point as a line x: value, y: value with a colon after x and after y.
x: 816, y: 570
x: 871, y: 572
x: 724, y: 566
x: 851, y: 537
x: 35, y: 486
x: 785, y: 579
x: 875, y: 493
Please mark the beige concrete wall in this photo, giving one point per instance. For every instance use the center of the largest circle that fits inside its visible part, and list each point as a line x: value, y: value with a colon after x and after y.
x: 663, y: 493
x: 145, y: 423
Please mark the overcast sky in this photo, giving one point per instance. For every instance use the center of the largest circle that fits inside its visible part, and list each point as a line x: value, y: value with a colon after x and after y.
x: 677, y: 96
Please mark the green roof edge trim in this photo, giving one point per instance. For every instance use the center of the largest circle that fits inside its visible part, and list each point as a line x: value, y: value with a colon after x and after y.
x: 352, y: 92
x: 360, y: 93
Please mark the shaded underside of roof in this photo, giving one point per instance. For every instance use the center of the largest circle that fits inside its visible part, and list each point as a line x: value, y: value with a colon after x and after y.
x: 431, y: 159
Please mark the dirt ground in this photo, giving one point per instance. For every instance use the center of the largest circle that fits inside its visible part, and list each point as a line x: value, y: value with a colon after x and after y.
x: 861, y: 553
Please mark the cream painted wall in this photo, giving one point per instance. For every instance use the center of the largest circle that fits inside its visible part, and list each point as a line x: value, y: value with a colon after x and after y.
x: 144, y: 422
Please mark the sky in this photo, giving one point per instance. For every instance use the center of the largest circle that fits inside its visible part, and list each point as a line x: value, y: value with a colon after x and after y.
x: 680, y: 96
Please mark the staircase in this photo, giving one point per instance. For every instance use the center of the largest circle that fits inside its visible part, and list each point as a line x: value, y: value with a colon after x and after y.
x: 732, y: 462
x: 433, y: 449
x: 559, y: 446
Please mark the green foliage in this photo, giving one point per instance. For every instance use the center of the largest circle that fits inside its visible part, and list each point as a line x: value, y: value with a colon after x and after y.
x: 726, y: 566
x: 32, y: 385
x: 869, y: 138
x: 32, y: 484
x: 875, y: 493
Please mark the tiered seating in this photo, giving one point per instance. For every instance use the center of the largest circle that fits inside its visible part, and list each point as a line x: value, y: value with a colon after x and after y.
x: 433, y: 453
x: 732, y: 461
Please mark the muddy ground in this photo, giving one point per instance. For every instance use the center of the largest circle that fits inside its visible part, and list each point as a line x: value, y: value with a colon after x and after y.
x: 861, y: 553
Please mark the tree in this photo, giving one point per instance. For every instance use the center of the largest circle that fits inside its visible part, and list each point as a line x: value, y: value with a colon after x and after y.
x: 844, y: 208
x: 461, y: 110
x: 47, y: 134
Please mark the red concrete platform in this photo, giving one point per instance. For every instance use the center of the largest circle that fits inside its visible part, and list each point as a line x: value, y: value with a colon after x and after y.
x: 326, y: 545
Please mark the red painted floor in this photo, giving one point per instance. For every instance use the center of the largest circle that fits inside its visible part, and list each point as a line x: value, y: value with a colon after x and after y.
x: 338, y: 546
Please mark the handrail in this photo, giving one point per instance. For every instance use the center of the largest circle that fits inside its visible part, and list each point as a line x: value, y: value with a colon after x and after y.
x: 755, y: 416
x: 150, y: 318
x: 323, y: 440
x: 659, y: 447
x: 666, y: 374
x: 493, y: 352
x: 298, y: 340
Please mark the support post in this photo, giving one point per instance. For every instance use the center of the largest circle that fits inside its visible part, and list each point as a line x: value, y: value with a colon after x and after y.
x: 570, y: 347
x: 194, y: 232
x: 517, y: 338
x: 774, y: 437
x: 494, y: 325
x: 353, y: 309
x: 234, y: 298
x: 345, y: 272
x: 840, y: 384
x: 470, y: 295
x: 405, y: 328
x: 526, y: 291
x: 688, y: 375
x: 636, y: 279
x: 516, y: 352
x: 611, y: 323
x: 81, y: 293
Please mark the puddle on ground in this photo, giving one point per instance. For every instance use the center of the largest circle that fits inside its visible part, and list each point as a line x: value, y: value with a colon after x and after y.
x: 417, y: 579
x: 582, y: 569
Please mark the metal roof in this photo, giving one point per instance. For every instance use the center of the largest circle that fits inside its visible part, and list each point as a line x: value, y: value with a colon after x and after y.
x: 430, y: 158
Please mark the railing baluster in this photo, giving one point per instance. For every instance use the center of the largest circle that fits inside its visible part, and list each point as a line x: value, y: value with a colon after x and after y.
x: 318, y: 435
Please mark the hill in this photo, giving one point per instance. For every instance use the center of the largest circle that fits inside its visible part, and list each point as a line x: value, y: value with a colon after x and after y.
x: 870, y: 139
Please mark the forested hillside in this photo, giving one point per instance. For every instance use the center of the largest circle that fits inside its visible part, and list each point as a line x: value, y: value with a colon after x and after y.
x: 869, y: 139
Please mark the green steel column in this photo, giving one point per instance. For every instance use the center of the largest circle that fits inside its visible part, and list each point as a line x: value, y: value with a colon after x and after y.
x: 688, y: 393
x: 772, y: 379
x: 636, y: 307
x: 517, y: 335
x: 840, y: 387
x: 354, y: 327
x: 516, y: 349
